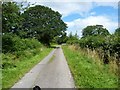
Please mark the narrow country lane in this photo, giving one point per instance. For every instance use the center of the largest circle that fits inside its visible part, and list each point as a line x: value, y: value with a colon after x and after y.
x: 51, y: 72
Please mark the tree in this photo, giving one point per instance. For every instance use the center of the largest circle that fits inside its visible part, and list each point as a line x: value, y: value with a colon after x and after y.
x: 11, y: 19
x: 117, y: 31
x: 43, y: 23
x: 94, y: 30
x: 72, y: 39
x: 61, y: 39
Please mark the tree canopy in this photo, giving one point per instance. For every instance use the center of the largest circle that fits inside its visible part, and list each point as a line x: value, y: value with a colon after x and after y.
x: 43, y: 23
x: 10, y: 17
x: 94, y: 30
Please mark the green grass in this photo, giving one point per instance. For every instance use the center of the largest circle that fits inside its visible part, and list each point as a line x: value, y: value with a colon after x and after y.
x: 0, y: 79
x: 12, y: 75
x: 86, y: 73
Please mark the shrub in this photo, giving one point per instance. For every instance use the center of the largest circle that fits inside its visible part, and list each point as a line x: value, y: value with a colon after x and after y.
x: 13, y: 43
x: 109, y: 45
x: 7, y: 43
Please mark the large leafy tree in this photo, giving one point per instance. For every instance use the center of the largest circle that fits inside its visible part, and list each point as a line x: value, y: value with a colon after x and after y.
x: 11, y: 19
x: 94, y: 31
x: 43, y: 23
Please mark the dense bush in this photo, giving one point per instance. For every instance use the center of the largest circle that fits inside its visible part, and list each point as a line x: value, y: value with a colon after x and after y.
x: 7, y: 43
x: 13, y: 43
x: 114, y: 45
x: 91, y: 42
x: 108, y: 45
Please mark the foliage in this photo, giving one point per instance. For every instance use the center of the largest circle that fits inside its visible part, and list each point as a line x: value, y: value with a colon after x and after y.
x: 43, y: 23
x: 72, y: 39
x: 91, y: 42
x: 117, y: 31
x: 11, y: 20
x: 60, y: 39
x: 94, y: 30
x: 114, y: 45
x: 39, y: 22
x: 13, y: 43
x: 97, y: 38
x: 7, y: 43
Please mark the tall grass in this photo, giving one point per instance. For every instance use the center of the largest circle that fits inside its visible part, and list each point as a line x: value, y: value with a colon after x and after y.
x: 89, y: 72
x: 98, y: 58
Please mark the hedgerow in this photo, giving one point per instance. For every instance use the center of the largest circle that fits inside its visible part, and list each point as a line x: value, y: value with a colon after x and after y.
x: 109, y: 45
x: 13, y: 43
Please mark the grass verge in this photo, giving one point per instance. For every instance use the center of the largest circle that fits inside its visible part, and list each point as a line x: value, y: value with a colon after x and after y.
x: 86, y: 73
x: 12, y: 75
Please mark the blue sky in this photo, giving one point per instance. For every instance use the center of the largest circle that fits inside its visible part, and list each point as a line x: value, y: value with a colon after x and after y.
x: 104, y: 15
x: 78, y: 14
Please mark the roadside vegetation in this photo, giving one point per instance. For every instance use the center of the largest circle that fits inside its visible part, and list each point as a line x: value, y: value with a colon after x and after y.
x: 88, y: 71
x: 94, y: 58
x: 15, y: 68
x: 100, y: 42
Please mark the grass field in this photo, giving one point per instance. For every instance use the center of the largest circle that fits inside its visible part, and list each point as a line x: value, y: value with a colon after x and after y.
x: 86, y: 73
x: 12, y: 75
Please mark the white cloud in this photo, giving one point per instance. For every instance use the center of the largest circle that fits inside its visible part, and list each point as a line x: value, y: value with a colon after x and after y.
x: 67, y: 8
x: 80, y: 7
x: 112, y: 4
x: 79, y: 24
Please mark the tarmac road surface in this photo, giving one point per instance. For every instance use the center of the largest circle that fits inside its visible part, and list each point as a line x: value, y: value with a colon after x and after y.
x: 51, y: 72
